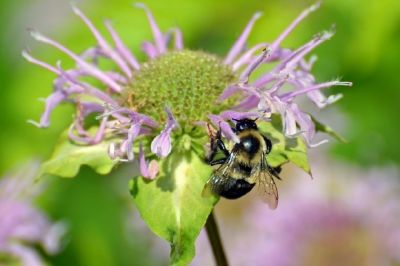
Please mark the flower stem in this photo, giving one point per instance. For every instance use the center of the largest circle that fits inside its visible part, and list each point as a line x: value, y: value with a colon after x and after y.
x: 215, y: 241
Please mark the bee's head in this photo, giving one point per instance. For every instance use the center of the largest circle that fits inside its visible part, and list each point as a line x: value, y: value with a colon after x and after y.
x: 243, y: 124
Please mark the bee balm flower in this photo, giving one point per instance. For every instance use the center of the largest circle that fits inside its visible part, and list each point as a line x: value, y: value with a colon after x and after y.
x: 22, y: 225
x: 177, y: 90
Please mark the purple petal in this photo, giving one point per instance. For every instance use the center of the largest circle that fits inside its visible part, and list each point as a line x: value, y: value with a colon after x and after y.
x: 316, y: 87
x: 230, y: 90
x: 246, y: 57
x: 307, y: 66
x: 53, y: 236
x: 248, y: 103
x: 159, y: 39
x: 148, y: 171
x: 117, y: 77
x: 28, y: 256
x: 149, y: 49
x: 237, y: 48
x: 304, y: 50
x: 279, y: 54
x: 226, y: 129
x: 92, y: 54
x: 279, y: 84
x: 161, y: 145
x: 304, y: 120
x: 289, y: 123
x: 244, y: 77
x: 89, y: 68
x: 103, y: 43
x: 31, y: 59
x: 121, y: 48
x: 293, y: 60
x: 286, y: 32
x: 126, y: 146
x: 51, y: 102
x: 178, y: 39
x: 84, y: 136
x: 232, y: 115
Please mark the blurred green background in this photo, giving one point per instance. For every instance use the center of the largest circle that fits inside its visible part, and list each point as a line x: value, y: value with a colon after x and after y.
x: 365, y: 50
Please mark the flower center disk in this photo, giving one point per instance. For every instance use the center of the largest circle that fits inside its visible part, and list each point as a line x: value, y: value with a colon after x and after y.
x: 188, y: 82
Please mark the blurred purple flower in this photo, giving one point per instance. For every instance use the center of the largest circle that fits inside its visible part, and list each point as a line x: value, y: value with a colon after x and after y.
x: 347, y: 217
x: 121, y: 113
x: 21, y: 224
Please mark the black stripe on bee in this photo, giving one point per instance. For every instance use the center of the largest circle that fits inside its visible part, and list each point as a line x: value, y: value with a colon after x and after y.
x: 231, y: 188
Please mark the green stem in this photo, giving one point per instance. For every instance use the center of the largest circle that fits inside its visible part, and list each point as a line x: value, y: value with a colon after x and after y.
x: 215, y: 241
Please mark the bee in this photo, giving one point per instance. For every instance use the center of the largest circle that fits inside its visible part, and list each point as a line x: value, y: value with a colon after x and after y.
x: 244, y: 166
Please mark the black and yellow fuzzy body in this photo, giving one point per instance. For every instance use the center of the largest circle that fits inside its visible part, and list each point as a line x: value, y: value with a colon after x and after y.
x: 244, y: 166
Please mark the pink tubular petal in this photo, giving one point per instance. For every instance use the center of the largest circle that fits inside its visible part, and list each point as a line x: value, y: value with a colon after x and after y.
x: 248, y: 103
x: 230, y: 90
x: 158, y: 36
x: 178, y: 39
x: 26, y: 255
x: 279, y: 54
x: 121, y: 48
x: 246, y: 57
x: 89, y: 68
x: 279, y: 84
x: 52, y: 239
x: 92, y: 55
x: 244, y: 77
x: 303, y: 51
x: 294, y: 59
x: 84, y: 137
x: 103, y: 43
x: 231, y: 115
x: 148, y: 171
x: 289, y: 123
x: 117, y: 77
x: 226, y: 129
x: 149, y: 49
x: 307, y: 126
x: 70, y: 77
x: 286, y: 32
x: 52, y: 101
x: 161, y: 145
x: 239, y: 44
x: 315, y: 87
x: 307, y: 66
x: 31, y: 59
x: 126, y: 146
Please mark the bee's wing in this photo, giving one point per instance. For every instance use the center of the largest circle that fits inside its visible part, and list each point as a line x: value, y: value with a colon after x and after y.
x: 217, y: 178
x: 266, y: 184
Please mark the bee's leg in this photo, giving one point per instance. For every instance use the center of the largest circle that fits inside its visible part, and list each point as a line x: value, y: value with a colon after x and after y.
x: 214, y: 151
x: 219, y: 146
x: 268, y: 143
x: 219, y: 161
x: 275, y: 171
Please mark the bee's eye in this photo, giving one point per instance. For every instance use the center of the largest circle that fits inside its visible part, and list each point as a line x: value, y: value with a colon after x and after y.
x: 239, y: 127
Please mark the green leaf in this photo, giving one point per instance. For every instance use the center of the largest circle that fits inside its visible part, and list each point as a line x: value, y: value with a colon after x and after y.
x: 68, y: 157
x: 172, y: 205
x: 284, y: 149
x: 319, y: 127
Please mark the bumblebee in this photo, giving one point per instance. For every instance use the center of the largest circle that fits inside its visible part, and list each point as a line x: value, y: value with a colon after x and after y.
x: 244, y: 166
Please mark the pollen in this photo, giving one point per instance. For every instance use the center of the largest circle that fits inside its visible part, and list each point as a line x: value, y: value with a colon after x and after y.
x: 188, y: 82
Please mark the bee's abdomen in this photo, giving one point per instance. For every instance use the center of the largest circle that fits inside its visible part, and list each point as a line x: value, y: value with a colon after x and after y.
x: 233, y: 188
